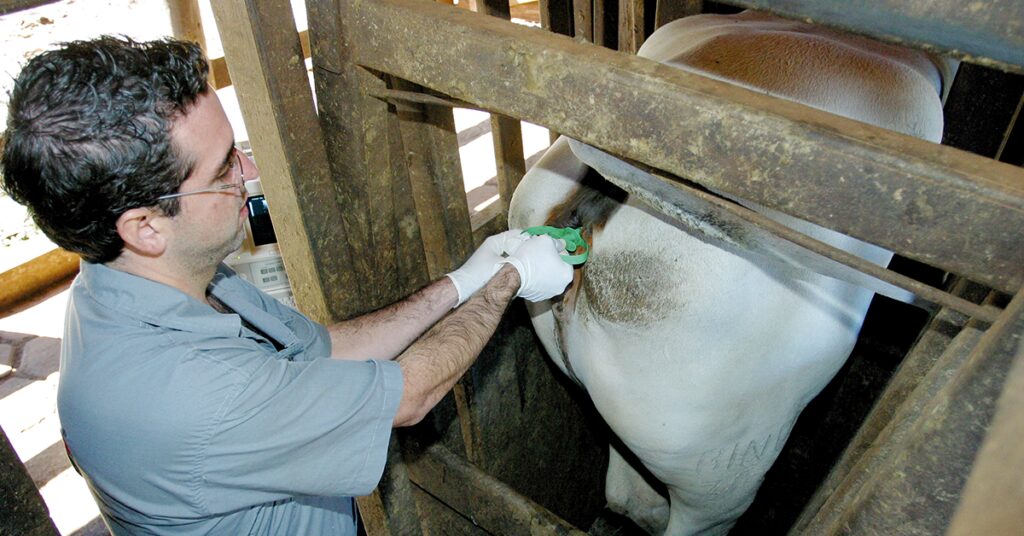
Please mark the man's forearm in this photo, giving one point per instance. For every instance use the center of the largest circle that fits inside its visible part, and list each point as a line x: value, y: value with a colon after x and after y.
x: 432, y: 365
x: 384, y: 333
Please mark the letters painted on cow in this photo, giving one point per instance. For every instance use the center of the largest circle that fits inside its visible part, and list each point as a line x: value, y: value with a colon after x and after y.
x: 700, y: 352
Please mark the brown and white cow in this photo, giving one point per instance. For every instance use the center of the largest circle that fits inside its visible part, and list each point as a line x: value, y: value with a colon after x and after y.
x: 700, y: 355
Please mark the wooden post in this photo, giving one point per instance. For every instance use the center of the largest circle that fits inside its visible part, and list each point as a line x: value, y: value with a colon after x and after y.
x: 993, y: 496
x: 506, y: 133
x: 602, y: 36
x: 277, y: 105
x: 186, y: 24
x: 631, y: 25
x: 583, y: 19
x: 34, y: 280
x: 367, y: 162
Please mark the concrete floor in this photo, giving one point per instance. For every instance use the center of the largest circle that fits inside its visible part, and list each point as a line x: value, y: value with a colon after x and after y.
x: 29, y: 362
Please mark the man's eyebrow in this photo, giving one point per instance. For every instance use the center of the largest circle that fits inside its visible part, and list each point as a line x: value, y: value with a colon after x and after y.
x: 227, y: 161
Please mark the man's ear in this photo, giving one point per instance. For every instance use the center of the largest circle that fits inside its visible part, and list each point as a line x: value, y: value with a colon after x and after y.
x: 143, y: 231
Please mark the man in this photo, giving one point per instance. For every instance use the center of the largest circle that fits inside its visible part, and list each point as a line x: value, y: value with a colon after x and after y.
x: 191, y: 402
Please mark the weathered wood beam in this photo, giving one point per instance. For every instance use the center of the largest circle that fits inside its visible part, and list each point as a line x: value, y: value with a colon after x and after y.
x: 930, y: 362
x: 915, y: 486
x: 944, y: 207
x: 219, y: 68
x: 764, y: 236
x: 491, y: 504
x: 989, y: 33
x: 993, y: 497
x: 13, y: 6
x: 25, y: 284
x: 261, y: 41
x: 187, y: 24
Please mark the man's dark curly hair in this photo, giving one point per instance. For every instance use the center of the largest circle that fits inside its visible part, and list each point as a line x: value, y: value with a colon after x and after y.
x: 89, y: 136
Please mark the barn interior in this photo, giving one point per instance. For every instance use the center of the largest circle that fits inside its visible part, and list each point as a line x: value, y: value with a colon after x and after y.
x: 353, y: 126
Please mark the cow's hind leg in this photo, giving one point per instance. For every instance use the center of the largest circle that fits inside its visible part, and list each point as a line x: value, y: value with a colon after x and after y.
x: 631, y: 494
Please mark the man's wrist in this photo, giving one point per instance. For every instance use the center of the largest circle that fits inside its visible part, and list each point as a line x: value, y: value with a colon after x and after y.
x: 504, y: 285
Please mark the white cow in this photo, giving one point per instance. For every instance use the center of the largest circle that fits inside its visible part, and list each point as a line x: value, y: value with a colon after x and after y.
x: 700, y: 357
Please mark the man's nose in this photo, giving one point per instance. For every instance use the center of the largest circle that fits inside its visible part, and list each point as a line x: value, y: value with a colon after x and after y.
x: 249, y: 169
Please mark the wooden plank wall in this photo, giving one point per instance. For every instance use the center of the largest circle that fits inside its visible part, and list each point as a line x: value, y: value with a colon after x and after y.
x: 370, y: 191
x: 374, y: 189
x: 787, y: 156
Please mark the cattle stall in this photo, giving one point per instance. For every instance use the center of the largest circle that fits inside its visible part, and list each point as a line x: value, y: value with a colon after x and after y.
x: 364, y: 180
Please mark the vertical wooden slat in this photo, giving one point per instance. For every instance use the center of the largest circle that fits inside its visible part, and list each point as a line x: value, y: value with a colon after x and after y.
x: 508, y: 155
x: 403, y: 213
x: 432, y: 156
x: 556, y: 16
x: 506, y: 132
x: 583, y: 19
x: 670, y: 10
x: 631, y: 25
x: 277, y: 105
x: 362, y: 147
x: 186, y: 24
x: 601, y: 35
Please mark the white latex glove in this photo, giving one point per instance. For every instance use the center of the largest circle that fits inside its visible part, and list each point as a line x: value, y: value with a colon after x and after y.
x: 542, y: 272
x: 485, y: 262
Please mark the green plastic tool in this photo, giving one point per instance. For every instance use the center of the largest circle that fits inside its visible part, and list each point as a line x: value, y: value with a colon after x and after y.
x: 573, y: 241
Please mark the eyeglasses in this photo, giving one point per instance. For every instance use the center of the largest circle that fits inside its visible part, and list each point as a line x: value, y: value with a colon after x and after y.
x: 234, y: 168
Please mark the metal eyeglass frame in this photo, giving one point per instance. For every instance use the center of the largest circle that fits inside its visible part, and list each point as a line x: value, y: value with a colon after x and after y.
x: 240, y: 186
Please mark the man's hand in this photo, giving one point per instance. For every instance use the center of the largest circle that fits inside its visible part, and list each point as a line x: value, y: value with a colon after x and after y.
x: 485, y: 262
x: 542, y: 272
